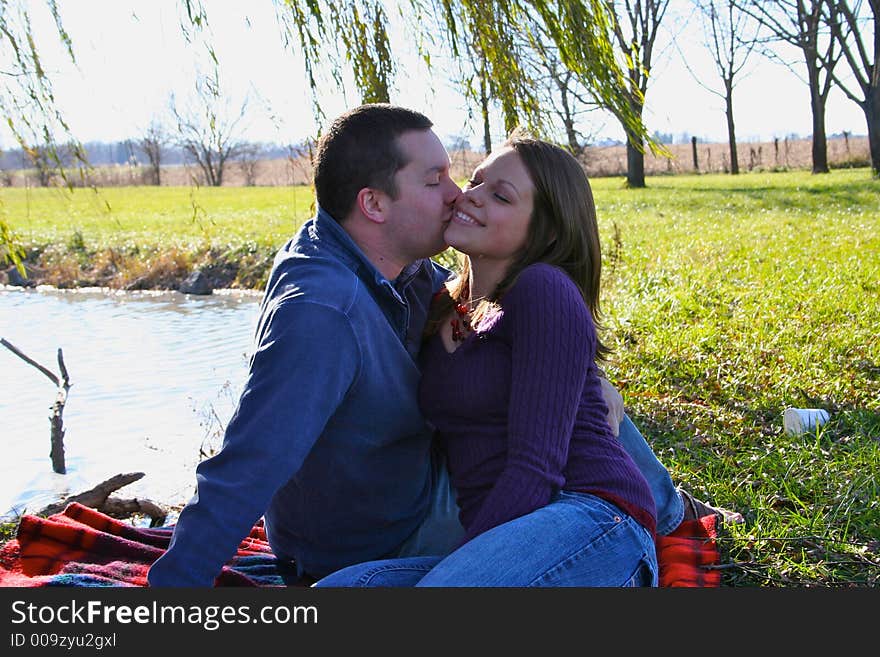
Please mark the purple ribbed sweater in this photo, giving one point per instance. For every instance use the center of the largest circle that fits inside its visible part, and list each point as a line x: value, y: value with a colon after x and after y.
x: 518, y: 408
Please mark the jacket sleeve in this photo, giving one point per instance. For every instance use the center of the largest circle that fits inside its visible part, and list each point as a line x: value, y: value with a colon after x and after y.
x: 294, y: 386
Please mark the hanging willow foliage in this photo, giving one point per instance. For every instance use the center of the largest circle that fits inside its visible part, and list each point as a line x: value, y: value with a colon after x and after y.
x: 493, y: 31
x: 491, y: 37
x: 318, y: 29
x: 28, y: 107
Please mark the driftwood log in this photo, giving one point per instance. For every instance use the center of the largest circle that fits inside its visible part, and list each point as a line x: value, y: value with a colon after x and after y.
x: 99, y: 498
x: 56, y: 422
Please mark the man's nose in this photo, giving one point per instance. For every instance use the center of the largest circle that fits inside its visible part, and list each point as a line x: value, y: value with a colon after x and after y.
x: 453, y: 192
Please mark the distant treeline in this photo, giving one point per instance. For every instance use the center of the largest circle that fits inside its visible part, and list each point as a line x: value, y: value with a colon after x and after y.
x: 99, y: 153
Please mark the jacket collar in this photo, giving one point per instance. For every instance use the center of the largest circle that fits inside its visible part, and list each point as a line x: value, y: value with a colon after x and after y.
x: 332, y: 236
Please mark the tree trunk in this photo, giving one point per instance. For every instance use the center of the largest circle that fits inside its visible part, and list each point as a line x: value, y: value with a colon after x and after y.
x: 635, y: 151
x: 568, y: 121
x: 156, y: 164
x: 635, y: 162
x: 484, y: 109
x: 571, y: 135
x: 872, y: 116
x: 731, y: 133
x: 817, y: 105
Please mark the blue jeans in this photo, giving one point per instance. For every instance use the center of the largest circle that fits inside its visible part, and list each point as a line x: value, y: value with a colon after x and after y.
x: 577, y: 539
x: 670, y: 508
x: 441, y: 531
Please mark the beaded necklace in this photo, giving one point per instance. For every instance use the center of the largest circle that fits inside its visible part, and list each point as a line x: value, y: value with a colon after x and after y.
x: 461, y: 324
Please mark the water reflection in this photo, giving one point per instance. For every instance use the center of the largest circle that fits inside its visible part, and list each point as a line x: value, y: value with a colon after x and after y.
x: 152, y: 374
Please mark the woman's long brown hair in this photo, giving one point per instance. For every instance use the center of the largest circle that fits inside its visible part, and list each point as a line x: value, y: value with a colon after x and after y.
x: 563, y: 231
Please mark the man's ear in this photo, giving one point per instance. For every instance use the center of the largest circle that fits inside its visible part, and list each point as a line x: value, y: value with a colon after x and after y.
x: 372, y: 203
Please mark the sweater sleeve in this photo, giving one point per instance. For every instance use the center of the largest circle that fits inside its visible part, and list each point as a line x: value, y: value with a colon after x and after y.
x: 552, y: 339
x: 293, y: 388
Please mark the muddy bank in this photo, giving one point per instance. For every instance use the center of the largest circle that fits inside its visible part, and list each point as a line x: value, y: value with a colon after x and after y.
x: 244, y: 267
x: 194, y: 271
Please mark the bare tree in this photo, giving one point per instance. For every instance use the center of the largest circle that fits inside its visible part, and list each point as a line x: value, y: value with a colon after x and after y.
x: 731, y: 37
x: 635, y: 24
x: 860, y: 50
x: 805, y: 25
x: 249, y: 161
x: 209, y: 133
x: 152, y: 144
x: 299, y: 162
x: 42, y: 158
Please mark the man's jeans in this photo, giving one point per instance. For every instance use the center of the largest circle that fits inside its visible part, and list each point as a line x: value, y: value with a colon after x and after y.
x: 670, y: 508
x: 577, y: 539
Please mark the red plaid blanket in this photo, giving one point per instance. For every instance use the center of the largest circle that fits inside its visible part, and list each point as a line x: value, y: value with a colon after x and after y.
x: 686, y: 556
x: 85, y: 548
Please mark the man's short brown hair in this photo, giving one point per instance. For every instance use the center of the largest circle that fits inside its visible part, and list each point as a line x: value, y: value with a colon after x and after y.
x: 360, y: 150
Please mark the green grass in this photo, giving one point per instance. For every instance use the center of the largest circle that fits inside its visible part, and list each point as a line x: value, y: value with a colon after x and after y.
x: 155, y: 216
x: 7, y: 531
x: 726, y: 300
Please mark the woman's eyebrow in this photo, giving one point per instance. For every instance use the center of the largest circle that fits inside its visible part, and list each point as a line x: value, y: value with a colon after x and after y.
x: 503, y: 181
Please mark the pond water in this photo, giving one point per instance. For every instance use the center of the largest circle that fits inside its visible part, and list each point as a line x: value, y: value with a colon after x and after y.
x: 154, y: 378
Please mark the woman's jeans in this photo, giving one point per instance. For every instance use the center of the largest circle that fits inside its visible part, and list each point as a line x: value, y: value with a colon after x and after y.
x: 441, y: 531
x: 577, y: 539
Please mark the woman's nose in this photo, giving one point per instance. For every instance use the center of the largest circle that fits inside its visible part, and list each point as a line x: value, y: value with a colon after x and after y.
x: 472, y: 196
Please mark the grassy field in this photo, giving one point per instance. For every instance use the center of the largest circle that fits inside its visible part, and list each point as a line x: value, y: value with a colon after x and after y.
x: 152, y: 237
x: 726, y: 300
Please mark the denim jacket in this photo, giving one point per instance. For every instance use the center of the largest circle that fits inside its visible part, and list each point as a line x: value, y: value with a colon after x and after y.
x: 327, y: 442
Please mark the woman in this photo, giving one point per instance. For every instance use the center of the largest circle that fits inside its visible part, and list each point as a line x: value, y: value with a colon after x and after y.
x: 547, y: 495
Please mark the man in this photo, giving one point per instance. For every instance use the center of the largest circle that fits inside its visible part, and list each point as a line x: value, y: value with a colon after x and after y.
x: 327, y: 442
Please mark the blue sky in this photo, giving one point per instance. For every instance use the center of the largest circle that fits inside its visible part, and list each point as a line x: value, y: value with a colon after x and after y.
x: 131, y: 56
